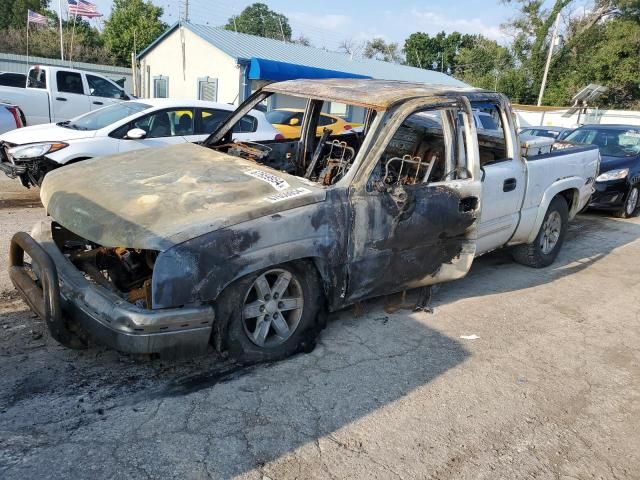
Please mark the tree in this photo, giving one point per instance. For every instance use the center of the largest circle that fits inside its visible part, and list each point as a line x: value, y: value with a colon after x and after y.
x: 14, y: 12
x: 607, y: 54
x: 258, y: 19
x: 483, y: 63
x: 131, y: 22
x: 381, y: 50
x: 45, y: 42
x: 601, y: 46
x: 435, y: 53
x: 302, y: 40
x: 351, y: 47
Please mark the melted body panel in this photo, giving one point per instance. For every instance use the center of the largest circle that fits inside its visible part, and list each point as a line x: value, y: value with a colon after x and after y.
x: 158, y: 198
x: 378, y: 94
x: 394, y: 247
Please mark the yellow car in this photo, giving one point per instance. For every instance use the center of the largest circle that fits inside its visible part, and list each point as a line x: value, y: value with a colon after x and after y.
x: 289, y: 122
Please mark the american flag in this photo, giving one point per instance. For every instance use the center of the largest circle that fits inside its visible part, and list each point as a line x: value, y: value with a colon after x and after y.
x: 36, y: 18
x: 82, y: 8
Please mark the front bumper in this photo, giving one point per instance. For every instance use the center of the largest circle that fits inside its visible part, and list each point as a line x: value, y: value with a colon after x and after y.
x: 7, y: 166
x: 64, y: 298
x: 13, y: 170
x: 609, y: 195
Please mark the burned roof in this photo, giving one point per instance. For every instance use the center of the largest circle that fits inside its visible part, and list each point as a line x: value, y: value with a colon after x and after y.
x: 379, y: 94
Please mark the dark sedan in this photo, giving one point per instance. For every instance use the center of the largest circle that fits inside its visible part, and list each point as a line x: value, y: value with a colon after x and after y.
x: 616, y: 188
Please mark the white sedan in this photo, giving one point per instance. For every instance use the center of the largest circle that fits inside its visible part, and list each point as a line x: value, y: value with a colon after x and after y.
x: 29, y: 153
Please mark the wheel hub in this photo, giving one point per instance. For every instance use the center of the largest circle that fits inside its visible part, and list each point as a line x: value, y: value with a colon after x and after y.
x: 272, y: 308
x: 550, y: 232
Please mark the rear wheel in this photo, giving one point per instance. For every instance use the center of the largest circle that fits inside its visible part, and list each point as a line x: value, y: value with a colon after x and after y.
x: 272, y: 313
x: 544, y: 249
x: 630, y: 208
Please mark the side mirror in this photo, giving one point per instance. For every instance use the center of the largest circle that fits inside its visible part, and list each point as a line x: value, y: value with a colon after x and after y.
x: 293, y: 122
x: 136, y: 134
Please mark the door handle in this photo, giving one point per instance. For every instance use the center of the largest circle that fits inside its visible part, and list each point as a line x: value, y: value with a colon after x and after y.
x: 98, y: 103
x: 509, y: 185
x: 62, y: 99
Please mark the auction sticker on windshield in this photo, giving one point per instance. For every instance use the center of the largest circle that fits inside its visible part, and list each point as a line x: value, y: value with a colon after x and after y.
x: 276, y: 182
x: 279, y: 197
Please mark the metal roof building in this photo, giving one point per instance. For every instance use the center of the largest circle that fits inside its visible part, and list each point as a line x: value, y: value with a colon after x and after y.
x: 199, y: 61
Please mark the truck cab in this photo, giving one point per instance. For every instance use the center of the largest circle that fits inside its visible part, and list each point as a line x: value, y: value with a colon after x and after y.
x: 55, y: 94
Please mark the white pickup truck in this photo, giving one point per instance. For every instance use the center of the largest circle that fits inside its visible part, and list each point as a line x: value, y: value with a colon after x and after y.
x: 247, y: 244
x: 55, y: 94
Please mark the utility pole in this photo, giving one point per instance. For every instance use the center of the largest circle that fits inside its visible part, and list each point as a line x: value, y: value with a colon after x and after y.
x: 60, y: 22
x: 554, y: 39
x: 186, y: 10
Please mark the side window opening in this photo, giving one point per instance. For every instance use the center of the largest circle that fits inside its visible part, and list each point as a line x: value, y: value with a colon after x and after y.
x: 69, y: 82
x: 492, y: 144
x: 167, y: 123
x: 100, y: 87
x: 37, y: 78
x: 210, y: 120
x: 334, y: 148
x: 321, y: 154
x: 182, y: 122
x: 325, y: 120
x: 428, y: 147
x: 247, y: 124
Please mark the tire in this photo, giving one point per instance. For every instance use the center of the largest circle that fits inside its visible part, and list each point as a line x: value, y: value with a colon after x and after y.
x: 631, y: 201
x: 540, y: 253
x: 263, y: 337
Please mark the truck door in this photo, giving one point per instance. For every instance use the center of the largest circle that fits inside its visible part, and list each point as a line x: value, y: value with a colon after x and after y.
x: 504, y: 178
x: 68, y: 97
x: 416, y: 206
x: 102, y: 92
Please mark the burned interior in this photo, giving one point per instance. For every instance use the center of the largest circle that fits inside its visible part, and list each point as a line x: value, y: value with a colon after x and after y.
x: 318, y: 155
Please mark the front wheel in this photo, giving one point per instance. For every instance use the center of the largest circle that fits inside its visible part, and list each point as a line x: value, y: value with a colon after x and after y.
x: 273, y: 313
x: 544, y: 249
x: 630, y: 208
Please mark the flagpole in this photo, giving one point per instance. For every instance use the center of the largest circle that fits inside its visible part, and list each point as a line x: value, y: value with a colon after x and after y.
x: 27, y: 40
x: 60, y: 23
x: 73, y: 32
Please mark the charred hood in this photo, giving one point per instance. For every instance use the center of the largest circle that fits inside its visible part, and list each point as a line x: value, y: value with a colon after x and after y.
x: 157, y: 198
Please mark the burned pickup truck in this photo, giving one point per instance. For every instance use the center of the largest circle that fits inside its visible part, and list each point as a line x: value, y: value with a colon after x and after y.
x: 247, y: 245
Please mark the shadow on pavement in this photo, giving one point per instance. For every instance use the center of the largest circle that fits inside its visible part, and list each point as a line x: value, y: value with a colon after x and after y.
x: 497, y: 272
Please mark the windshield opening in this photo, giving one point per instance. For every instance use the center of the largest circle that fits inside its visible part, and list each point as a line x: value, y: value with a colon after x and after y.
x: 613, y: 142
x: 318, y: 140
x: 105, y: 116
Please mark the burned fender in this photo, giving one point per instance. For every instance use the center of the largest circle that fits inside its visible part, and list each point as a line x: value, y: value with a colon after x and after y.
x: 198, y: 270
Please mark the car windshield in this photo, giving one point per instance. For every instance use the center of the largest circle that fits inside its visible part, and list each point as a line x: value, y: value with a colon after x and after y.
x: 105, y: 116
x: 613, y: 142
x: 280, y: 117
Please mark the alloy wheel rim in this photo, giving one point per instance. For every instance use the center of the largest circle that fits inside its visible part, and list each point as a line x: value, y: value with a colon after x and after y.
x: 632, y: 201
x: 272, y: 308
x: 550, y: 232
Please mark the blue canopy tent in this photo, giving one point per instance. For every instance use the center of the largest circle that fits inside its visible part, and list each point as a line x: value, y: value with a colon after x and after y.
x: 261, y: 69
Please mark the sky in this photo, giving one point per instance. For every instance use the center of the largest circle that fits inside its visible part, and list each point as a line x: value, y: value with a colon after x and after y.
x: 326, y: 24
